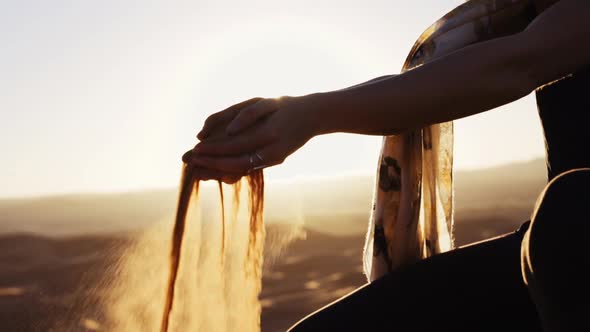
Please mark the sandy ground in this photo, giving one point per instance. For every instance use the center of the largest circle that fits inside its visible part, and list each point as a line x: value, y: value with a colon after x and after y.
x: 44, y: 281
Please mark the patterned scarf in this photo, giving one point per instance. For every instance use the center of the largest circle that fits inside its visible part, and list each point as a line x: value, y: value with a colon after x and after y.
x: 412, y: 215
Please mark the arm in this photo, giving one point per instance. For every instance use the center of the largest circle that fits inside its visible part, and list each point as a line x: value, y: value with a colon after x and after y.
x: 472, y: 80
x: 469, y: 81
x: 375, y: 80
x: 228, y: 115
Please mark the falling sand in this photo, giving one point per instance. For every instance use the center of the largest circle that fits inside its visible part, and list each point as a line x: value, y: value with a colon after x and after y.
x: 252, y: 256
x: 204, y: 273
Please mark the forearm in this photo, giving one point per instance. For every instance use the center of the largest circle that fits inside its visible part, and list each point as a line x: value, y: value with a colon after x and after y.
x: 469, y: 81
x: 374, y: 80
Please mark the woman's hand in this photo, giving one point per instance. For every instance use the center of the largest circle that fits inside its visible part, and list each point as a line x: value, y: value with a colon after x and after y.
x: 217, y: 123
x: 254, y: 134
x: 205, y: 174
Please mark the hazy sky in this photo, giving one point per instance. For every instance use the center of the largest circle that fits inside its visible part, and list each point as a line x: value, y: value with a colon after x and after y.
x: 106, y: 95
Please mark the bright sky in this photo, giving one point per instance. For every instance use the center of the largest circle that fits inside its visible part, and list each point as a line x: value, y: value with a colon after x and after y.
x: 106, y: 95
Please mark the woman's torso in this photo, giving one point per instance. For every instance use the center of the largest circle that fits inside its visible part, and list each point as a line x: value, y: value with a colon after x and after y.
x: 564, y: 109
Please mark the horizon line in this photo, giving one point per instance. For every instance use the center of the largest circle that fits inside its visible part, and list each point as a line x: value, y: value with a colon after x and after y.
x: 98, y: 192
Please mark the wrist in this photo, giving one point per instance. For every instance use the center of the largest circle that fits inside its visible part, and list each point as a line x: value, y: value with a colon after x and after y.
x: 314, y: 109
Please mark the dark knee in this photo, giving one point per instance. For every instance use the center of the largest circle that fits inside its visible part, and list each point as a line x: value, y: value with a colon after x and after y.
x: 561, y: 220
x: 575, y: 181
x: 565, y: 200
x: 555, y: 263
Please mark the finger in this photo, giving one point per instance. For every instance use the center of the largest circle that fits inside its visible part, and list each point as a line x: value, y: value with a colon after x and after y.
x: 214, y: 121
x: 224, y: 116
x: 249, y: 115
x: 244, y: 143
x: 270, y: 155
x: 266, y: 157
x: 187, y: 156
x: 230, y: 179
x: 235, y: 165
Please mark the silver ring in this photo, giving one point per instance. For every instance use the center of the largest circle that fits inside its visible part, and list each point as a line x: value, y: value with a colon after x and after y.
x: 259, y: 157
x: 252, y: 167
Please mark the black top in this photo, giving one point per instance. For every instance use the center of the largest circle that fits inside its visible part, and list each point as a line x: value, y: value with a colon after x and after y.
x: 564, y: 109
